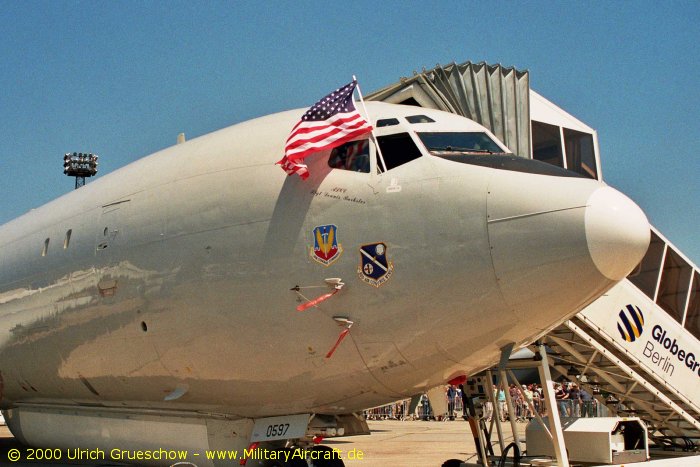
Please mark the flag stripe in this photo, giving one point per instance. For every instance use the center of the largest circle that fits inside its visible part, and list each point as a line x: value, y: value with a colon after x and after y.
x: 341, y: 117
x: 293, y: 168
x: 328, y: 146
x: 310, y: 149
x: 317, y: 134
x: 330, y: 122
x: 338, y: 120
x: 331, y: 138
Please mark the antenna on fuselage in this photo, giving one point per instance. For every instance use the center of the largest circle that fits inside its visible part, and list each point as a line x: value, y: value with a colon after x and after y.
x: 80, y: 165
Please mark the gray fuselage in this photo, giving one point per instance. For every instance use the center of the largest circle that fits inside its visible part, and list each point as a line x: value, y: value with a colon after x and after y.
x: 174, y: 288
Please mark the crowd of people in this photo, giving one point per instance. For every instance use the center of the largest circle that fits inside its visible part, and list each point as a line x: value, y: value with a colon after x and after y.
x: 572, y: 401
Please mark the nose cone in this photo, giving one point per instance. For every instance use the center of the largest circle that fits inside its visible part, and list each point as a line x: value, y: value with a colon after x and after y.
x: 617, y: 232
x: 558, y: 243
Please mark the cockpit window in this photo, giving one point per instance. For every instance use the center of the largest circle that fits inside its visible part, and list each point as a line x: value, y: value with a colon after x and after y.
x: 397, y: 149
x: 387, y: 122
x: 419, y: 119
x: 352, y: 156
x: 455, y: 143
x: 477, y: 148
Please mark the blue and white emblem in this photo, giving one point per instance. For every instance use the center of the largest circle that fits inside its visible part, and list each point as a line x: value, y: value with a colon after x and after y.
x: 375, y: 269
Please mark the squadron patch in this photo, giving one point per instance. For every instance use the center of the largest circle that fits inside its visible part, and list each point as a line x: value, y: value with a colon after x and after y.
x: 375, y: 269
x: 326, y: 249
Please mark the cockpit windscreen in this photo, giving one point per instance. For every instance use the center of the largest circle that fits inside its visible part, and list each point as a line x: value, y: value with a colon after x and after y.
x: 449, y: 144
x: 477, y: 148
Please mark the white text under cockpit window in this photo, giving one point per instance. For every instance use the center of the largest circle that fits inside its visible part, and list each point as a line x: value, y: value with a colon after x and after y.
x: 353, y: 156
x: 445, y: 144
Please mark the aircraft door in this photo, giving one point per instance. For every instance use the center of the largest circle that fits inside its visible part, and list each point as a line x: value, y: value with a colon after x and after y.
x: 112, y: 230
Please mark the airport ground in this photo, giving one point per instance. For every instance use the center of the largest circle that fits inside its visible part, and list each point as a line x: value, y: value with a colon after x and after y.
x: 392, y: 443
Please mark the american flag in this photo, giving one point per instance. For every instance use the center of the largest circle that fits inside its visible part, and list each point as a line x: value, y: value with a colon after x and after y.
x: 330, y: 122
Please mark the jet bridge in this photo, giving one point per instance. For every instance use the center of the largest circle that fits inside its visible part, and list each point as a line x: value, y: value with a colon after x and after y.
x: 500, y: 99
x: 492, y: 95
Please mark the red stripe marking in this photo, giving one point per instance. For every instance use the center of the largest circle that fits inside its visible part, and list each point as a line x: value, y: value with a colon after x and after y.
x: 342, y: 335
x: 316, y: 301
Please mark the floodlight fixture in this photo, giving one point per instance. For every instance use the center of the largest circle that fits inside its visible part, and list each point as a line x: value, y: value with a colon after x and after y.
x: 80, y: 165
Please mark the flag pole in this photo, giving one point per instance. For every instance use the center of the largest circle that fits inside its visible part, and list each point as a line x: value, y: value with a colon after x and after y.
x: 376, y: 143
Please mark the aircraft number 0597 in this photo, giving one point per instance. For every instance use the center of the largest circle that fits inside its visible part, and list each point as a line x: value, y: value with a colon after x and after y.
x: 285, y: 427
x: 277, y: 430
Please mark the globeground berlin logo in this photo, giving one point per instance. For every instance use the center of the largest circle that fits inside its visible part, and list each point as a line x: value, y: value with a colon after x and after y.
x: 630, y: 323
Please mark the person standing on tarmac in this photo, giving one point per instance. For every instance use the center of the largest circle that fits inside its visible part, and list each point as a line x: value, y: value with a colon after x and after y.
x: 575, y: 398
x: 451, y: 393
x: 502, y: 404
x: 587, y: 404
x: 560, y: 396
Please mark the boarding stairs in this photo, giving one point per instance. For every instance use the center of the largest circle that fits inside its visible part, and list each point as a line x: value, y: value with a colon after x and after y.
x: 616, y: 379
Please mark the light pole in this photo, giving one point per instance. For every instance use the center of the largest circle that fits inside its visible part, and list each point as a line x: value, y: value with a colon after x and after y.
x: 79, y: 165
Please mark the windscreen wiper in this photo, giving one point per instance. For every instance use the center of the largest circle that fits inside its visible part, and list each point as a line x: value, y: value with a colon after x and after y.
x: 461, y: 149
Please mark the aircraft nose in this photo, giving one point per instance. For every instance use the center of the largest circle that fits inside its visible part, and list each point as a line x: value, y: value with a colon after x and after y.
x: 557, y: 243
x: 617, y: 232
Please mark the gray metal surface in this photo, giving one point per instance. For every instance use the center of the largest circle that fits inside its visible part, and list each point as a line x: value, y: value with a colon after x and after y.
x: 176, y: 297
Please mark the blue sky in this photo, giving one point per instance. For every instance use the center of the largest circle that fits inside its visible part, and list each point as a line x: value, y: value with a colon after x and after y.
x: 122, y: 79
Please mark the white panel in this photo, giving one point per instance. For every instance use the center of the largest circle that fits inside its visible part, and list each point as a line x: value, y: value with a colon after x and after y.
x: 663, y: 348
x: 542, y: 110
x: 285, y: 427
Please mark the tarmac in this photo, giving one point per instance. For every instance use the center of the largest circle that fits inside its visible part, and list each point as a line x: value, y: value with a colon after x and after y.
x: 415, y: 443
x: 392, y: 443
